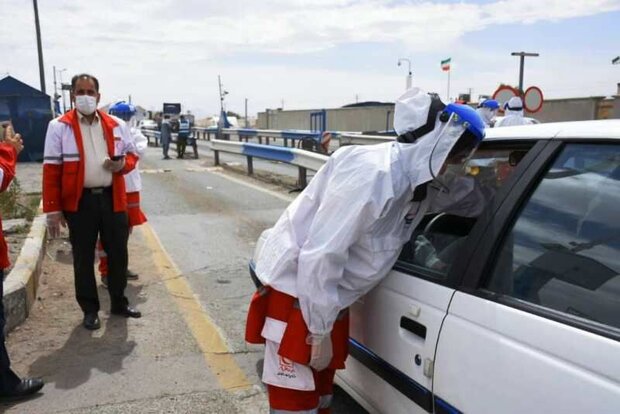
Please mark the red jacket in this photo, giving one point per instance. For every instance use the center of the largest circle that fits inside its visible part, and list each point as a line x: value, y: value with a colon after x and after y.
x: 8, y: 159
x: 63, y: 166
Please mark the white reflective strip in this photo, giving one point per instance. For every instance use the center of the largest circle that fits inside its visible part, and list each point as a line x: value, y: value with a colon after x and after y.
x: 313, y: 411
x: 133, y: 205
x: 1, y: 175
x: 325, y: 401
x: 52, y: 160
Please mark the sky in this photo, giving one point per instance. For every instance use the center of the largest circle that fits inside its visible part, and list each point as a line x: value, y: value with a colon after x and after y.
x: 303, y: 54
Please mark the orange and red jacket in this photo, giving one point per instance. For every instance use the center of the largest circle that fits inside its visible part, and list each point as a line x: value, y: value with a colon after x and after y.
x: 63, y: 164
x: 8, y: 159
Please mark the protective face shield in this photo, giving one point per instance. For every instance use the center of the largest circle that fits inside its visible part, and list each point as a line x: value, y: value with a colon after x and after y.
x: 488, y: 109
x: 487, y: 114
x: 124, y: 111
x: 462, y: 131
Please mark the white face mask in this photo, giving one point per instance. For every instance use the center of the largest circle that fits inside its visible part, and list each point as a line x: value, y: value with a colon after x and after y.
x: 87, y: 105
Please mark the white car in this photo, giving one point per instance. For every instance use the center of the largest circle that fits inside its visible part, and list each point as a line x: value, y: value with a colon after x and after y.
x: 147, y: 124
x: 522, y: 312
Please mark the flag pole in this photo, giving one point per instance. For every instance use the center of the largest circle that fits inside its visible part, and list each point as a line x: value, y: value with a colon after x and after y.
x: 448, y: 97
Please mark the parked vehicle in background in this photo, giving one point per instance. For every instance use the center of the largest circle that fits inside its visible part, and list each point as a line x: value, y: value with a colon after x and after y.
x: 147, y: 124
x: 520, y: 313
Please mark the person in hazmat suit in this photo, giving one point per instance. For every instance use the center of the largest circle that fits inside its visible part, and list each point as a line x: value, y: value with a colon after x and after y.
x: 342, y: 235
x: 513, y: 113
x: 487, y: 110
x: 133, y: 183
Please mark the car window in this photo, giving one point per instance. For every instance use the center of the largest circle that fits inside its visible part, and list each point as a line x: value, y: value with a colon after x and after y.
x: 436, y: 242
x: 563, y: 251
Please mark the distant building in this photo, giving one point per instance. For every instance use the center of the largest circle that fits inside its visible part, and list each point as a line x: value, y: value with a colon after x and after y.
x: 379, y: 116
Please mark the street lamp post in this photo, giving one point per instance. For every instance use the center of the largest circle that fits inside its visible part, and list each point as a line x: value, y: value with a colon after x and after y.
x: 409, y: 73
x: 62, y: 90
x: 522, y: 56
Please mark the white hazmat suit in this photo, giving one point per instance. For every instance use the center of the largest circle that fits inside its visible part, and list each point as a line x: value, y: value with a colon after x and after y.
x: 513, y: 113
x: 344, y: 232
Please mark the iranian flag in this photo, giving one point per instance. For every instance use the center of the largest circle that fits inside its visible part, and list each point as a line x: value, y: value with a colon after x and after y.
x: 445, y: 65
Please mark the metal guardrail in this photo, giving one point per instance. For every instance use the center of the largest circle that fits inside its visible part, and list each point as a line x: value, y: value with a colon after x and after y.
x: 304, y: 160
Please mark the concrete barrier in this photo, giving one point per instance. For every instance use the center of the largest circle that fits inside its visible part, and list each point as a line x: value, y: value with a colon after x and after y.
x: 21, y: 284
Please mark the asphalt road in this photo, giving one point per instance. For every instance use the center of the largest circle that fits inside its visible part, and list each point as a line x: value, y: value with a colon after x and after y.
x: 208, y: 220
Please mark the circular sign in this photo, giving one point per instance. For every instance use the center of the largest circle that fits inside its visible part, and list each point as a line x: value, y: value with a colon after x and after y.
x: 533, y: 99
x: 503, y: 94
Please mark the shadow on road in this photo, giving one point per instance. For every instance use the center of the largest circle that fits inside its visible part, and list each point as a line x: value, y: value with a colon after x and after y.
x: 84, y: 351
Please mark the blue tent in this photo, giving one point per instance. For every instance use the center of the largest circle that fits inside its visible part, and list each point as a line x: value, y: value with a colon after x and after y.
x: 30, y: 111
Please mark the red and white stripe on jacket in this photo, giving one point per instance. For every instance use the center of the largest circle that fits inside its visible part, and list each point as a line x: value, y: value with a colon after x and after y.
x: 63, y: 165
x: 8, y: 159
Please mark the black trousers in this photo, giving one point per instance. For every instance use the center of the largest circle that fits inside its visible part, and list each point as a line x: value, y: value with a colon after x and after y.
x: 8, y: 379
x: 181, y: 145
x: 94, y: 219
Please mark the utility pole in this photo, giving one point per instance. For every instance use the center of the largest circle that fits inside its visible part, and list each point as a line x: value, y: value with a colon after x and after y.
x: 522, y: 56
x: 219, y: 81
x: 247, y: 124
x: 39, y: 47
x: 129, y: 99
x: 62, y: 91
x: 55, y: 88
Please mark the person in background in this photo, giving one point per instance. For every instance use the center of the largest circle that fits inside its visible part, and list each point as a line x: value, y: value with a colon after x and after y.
x: 133, y: 184
x: 166, y: 135
x: 12, y: 388
x: 342, y: 235
x: 513, y: 113
x: 487, y: 110
x: 184, y: 130
x: 86, y: 154
x: 191, y: 139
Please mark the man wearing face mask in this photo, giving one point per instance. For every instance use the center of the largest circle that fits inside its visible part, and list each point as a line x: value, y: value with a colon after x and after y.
x: 87, y: 152
x: 343, y: 234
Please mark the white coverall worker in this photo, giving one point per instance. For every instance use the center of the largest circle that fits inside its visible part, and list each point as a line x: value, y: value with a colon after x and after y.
x: 513, y: 113
x: 133, y: 182
x: 487, y: 109
x: 343, y: 234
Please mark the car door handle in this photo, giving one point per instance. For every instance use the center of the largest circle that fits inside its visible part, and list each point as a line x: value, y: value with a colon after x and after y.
x: 412, y: 326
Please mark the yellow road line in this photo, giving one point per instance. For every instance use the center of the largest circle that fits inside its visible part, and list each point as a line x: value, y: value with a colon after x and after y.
x: 208, y: 336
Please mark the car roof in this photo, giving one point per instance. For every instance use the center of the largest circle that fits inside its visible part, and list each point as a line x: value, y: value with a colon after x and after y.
x: 608, y: 129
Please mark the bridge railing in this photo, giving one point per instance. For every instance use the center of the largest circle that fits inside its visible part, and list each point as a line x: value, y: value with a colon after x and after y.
x: 304, y: 160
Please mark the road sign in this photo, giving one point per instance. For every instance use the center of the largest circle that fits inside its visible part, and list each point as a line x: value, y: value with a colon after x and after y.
x: 504, y: 93
x: 172, y: 108
x: 533, y: 99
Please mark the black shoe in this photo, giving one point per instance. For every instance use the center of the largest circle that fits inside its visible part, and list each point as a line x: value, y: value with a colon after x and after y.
x: 24, y: 389
x: 91, y: 321
x: 131, y: 275
x: 127, y: 312
x: 166, y: 158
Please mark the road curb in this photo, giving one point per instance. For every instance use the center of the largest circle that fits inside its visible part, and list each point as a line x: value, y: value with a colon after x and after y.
x: 21, y: 284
